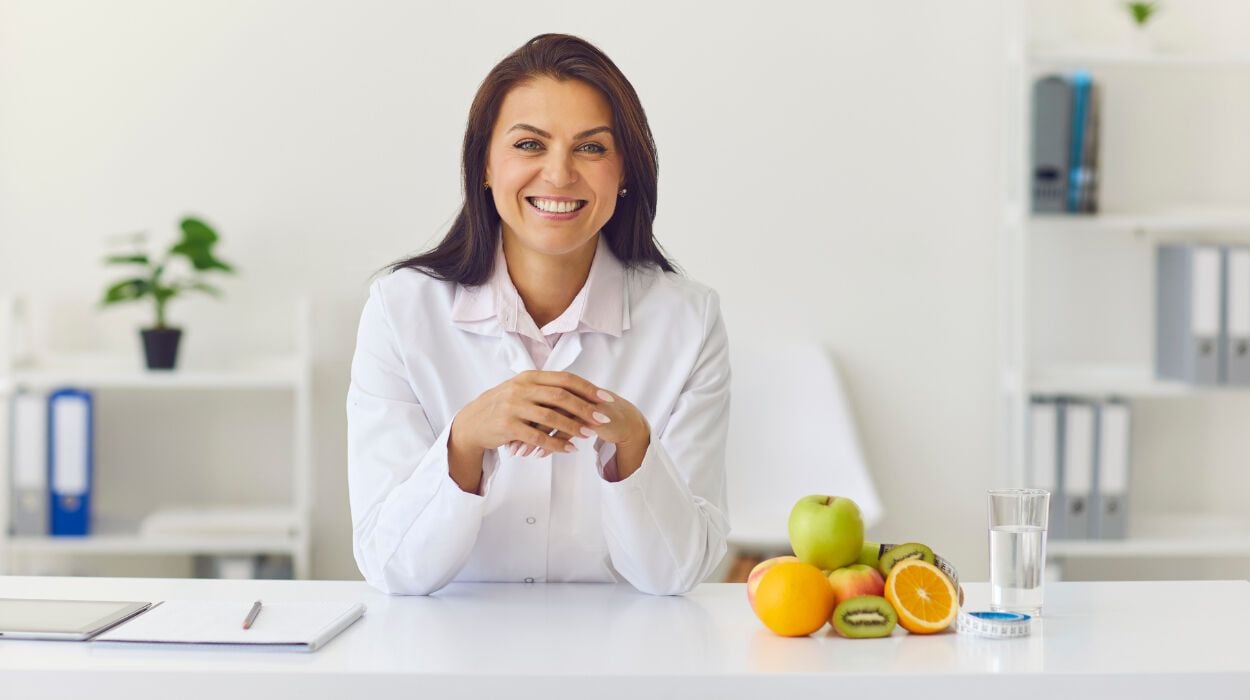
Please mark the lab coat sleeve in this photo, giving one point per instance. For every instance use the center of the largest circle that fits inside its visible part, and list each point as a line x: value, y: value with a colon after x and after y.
x: 666, y: 524
x: 413, y: 527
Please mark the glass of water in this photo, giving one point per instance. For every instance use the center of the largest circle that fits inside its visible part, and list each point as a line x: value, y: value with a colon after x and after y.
x: 1018, y: 549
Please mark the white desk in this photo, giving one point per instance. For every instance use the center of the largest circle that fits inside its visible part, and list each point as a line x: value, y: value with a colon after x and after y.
x: 513, y: 641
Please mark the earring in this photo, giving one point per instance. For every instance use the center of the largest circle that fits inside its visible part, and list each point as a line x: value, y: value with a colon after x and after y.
x: 486, y: 185
x: 623, y: 192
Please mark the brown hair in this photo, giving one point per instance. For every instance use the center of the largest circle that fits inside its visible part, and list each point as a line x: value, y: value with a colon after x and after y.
x: 467, y: 253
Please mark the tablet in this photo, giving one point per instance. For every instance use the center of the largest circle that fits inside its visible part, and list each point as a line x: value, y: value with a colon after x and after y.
x: 28, y: 618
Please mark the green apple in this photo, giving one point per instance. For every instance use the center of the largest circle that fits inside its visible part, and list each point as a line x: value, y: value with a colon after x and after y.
x: 826, y: 531
x: 870, y: 555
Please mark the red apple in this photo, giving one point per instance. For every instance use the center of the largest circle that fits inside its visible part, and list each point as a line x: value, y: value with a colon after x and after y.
x: 856, y: 579
x: 757, y: 574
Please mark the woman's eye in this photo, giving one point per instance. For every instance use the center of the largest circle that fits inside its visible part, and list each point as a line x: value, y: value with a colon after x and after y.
x: 595, y: 148
x: 528, y: 145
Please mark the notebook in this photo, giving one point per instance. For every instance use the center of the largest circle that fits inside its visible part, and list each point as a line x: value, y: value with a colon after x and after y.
x: 294, y: 626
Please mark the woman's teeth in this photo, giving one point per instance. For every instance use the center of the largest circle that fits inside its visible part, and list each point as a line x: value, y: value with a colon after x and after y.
x: 551, y: 205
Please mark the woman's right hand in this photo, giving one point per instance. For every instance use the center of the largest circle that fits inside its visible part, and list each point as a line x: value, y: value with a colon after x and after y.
x: 527, y: 409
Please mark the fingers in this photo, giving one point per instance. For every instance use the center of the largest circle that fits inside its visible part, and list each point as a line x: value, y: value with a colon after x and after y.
x: 568, y: 381
x: 569, y: 404
x: 550, y: 444
x: 548, y: 419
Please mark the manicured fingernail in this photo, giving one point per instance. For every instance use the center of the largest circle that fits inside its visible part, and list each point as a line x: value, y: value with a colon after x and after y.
x: 600, y: 417
x: 542, y: 453
x: 513, y: 448
x: 588, y: 433
x: 605, y: 396
x: 570, y: 447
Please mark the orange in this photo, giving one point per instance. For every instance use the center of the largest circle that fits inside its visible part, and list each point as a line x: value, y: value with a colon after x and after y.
x: 925, y: 600
x: 794, y: 599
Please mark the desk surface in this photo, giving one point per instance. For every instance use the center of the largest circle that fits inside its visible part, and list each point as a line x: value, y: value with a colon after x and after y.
x: 1154, y: 639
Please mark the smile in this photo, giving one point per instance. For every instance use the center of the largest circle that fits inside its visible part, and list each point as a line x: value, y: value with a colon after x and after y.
x: 552, y: 208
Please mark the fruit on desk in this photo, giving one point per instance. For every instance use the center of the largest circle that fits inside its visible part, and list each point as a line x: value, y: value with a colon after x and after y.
x: 870, y: 554
x: 794, y: 599
x: 911, y: 550
x: 826, y: 531
x: 925, y: 600
x: 856, y: 580
x: 757, y: 575
x: 864, y: 617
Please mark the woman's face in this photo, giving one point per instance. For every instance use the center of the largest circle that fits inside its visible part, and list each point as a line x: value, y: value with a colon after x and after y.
x: 553, y: 167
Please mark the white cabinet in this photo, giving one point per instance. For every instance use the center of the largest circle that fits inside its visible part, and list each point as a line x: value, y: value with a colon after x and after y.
x: 259, y: 526
x: 1077, y: 291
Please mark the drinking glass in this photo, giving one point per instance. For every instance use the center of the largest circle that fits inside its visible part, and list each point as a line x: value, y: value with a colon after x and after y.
x: 1018, y: 519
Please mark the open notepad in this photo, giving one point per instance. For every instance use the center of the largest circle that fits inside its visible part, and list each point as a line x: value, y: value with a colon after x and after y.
x: 289, y: 625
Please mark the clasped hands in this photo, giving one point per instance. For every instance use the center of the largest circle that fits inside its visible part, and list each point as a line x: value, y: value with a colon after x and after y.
x: 543, y: 411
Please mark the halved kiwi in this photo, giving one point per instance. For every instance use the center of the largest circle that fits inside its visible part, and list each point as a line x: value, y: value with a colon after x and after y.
x: 911, y: 550
x: 864, y: 617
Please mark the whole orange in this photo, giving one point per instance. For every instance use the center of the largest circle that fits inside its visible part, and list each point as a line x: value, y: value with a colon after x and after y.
x: 794, y: 599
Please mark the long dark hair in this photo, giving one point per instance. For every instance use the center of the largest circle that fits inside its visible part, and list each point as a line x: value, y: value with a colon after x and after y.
x: 467, y: 253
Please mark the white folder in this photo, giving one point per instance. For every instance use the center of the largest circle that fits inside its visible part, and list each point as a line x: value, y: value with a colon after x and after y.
x: 29, y: 500
x: 1078, y: 469
x: 1237, y: 297
x: 1044, y: 451
x: 1110, y: 512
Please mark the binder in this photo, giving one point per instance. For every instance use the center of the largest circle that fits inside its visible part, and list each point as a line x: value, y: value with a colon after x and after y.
x: 70, y: 453
x: 1110, y: 512
x: 1080, y: 125
x: 28, y: 466
x: 1089, y: 156
x: 1077, y: 475
x: 1188, y: 312
x: 1044, y: 452
x: 1052, y: 129
x: 1235, y: 359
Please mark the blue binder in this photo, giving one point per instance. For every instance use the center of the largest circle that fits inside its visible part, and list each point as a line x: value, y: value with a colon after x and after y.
x: 70, y: 461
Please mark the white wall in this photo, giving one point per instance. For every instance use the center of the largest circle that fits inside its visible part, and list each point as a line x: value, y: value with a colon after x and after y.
x: 834, y: 169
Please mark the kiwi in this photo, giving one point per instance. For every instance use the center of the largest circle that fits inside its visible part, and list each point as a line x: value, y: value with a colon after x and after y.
x: 911, y: 550
x: 864, y: 617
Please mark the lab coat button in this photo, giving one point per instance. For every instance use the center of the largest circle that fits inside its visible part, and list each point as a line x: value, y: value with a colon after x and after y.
x: 529, y: 580
x: 531, y: 521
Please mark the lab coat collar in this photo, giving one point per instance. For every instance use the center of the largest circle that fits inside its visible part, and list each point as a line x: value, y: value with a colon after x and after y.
x: 493, y: 307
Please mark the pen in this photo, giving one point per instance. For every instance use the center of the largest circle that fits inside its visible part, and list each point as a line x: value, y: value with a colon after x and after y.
x: 251, y: 615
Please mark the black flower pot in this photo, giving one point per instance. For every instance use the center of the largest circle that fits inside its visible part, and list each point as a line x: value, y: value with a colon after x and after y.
x: 160, y: 346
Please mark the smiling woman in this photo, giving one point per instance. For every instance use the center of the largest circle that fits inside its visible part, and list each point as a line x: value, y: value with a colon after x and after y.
x: 542, y: 397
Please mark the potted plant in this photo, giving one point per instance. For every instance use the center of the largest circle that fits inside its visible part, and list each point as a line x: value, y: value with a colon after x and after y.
x: 160, y: 342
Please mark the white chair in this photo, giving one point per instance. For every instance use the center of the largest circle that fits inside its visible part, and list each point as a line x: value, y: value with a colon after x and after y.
x: 791, y: 434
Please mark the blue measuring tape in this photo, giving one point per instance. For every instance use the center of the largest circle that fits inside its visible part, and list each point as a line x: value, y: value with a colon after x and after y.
x: 994, y: 624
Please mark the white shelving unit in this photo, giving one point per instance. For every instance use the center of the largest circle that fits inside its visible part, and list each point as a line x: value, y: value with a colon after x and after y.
x: 1152, y: 535
x: 290, y: 373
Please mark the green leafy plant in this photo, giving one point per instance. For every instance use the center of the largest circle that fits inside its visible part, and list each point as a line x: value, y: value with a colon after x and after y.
x: 196, y: 246
x: 1142, y: 11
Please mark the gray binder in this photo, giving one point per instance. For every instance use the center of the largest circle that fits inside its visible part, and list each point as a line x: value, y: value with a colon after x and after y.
x: 1111, y: 470
x: 1235, y: 359
x: 1188, y: 312
x: 1052, y: 134
x: 1077, y: 468
x: 28, y: 465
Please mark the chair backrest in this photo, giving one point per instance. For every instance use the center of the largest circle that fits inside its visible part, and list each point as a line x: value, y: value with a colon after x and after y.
x: 791, y: 434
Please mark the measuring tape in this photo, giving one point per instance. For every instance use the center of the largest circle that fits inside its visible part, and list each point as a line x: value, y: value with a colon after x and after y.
x: 995, y: 625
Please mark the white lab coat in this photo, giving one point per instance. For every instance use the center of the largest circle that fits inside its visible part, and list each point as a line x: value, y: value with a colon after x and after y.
x: 663, y: 529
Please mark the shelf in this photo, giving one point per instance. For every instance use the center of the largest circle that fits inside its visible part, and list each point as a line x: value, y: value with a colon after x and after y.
x: 1126, y: 382
x: 128, y: 372
x: 1103, y: 58
x: 1196, y: 221
x: 1181, y: 536
x: 115, y: 536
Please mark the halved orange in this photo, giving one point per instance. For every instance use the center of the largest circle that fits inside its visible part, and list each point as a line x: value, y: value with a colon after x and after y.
x: 925, y: 600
